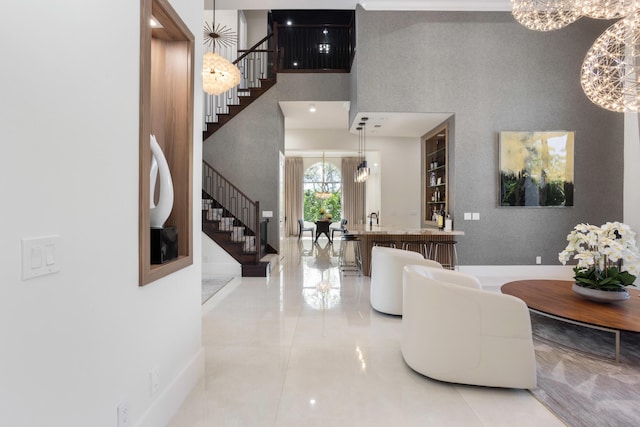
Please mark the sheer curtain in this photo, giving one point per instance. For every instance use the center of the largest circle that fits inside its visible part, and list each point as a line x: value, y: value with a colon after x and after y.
x: 353, y: 193
x: 293, y: 194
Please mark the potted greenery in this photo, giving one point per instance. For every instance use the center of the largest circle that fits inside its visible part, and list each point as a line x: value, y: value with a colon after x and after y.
x: 608, y: 260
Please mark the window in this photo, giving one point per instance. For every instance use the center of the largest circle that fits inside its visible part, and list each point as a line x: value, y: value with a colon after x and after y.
x: 331, y: 184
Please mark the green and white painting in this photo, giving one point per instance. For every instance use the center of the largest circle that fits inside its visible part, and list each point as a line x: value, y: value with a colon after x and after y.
x: 536, y: 168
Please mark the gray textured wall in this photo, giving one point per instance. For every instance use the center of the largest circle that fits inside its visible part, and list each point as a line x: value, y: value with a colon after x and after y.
x: 495, y: 75
x: 245, y: 150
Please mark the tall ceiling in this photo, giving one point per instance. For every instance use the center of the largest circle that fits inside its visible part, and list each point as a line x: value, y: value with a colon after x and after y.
x: 334, y: 115
x: 475, y: 5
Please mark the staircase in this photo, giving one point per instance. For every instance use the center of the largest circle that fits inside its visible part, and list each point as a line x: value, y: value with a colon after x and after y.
x: 232, y: 220
x: 245, y: 98
x: 229, y: 217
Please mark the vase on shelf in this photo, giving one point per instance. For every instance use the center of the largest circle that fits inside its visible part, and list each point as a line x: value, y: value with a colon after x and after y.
x: 599, y: 295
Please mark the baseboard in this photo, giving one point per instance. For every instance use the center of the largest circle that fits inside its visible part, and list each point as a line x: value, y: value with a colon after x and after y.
x: 559, y: 272
x: 166, y: 405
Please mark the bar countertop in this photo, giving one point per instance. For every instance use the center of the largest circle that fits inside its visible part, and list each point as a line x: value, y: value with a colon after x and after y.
x: 392, y: 230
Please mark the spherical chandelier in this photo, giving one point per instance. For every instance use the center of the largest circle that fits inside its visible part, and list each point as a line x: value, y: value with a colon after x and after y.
x: 544, y: 15
x: 610, y: 71
x: 610, y: 75
x: 218, y: 74
x: 606, y: 9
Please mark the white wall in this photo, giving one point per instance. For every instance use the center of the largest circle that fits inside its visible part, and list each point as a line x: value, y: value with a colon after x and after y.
x: 216, y: 261
x: 223, y: 18
x: 77, y: 343
x: 256, y: 26
x: 394, y: 185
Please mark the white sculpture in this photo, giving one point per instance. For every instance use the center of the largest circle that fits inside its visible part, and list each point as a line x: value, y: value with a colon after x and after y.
x: 159, y: 212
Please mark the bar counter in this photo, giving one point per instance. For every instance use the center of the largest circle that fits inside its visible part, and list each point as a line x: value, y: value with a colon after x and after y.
x: 398, y: 235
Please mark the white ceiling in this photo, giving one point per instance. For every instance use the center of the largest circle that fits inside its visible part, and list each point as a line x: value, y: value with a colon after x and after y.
x: 335, y: 115
x: 475, y: 5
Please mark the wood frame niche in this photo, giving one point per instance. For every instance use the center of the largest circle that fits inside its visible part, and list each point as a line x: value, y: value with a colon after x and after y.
x: 166, y: 110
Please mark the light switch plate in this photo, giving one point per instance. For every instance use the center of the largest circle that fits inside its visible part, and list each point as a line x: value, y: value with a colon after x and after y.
x: 467, y: 216
x: 40, y: 256
x: 475, y: 216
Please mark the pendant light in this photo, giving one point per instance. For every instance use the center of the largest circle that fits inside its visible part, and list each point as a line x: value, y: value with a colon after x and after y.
x: 323, y: 193
x: 218, y: 74
x: 362, y: 173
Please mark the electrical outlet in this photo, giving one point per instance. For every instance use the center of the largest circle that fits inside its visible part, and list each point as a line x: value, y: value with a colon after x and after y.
x: 124, y: 414
x: 538, y: 259
x: 154, y: 380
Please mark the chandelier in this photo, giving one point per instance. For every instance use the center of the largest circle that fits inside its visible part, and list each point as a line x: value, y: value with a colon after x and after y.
x: 606, y: 9
x: 323, y: 193
x: 544, y: 15
x: 218, y: 74
x: 362, y: 173
x: 610, y: 72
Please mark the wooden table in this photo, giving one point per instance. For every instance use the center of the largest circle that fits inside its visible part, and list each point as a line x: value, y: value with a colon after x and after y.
x: 555, y: 299
x: 323, y: 227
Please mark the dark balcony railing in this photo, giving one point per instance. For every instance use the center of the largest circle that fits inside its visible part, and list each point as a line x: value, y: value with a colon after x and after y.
x: 315, y: 48
x: 311, y: 48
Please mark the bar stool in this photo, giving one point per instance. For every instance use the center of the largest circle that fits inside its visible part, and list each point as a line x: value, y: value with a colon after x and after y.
x: 420, y: 247
x: 446, y: 254
x: 385, y: 243
x: 346, y: 264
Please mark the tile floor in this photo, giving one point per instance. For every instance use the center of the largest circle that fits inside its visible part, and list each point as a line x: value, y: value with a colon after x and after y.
x: 286, y: 352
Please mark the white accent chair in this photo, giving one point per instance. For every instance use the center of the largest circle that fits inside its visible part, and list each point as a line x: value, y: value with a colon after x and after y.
x: 386, y: 276
x: 454, y: 331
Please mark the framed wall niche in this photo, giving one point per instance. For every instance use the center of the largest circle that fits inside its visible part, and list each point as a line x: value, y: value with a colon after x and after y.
x: 536, y: 169
x: 166, y: 111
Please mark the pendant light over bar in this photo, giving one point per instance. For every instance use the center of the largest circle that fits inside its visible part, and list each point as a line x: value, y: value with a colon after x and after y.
x: 362, y: 173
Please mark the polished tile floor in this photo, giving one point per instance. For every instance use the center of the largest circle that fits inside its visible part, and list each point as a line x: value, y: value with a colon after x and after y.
x: 304, y: 348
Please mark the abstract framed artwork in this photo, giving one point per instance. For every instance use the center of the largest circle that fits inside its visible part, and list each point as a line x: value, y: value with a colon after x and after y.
x: 536, y: 169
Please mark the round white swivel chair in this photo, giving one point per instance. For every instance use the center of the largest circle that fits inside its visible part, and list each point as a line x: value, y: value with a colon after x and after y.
x: 386, y: 276
x: 454, y: 331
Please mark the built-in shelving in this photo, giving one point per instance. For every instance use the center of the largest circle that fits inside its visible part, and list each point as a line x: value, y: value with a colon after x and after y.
x: 436, y: 167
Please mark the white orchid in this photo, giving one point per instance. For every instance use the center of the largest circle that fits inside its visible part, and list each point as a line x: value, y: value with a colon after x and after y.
x: 606, y: 255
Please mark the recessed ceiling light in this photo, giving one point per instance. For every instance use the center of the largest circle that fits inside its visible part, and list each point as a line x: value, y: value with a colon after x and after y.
x: 312, y: 108
x: 289, y: 22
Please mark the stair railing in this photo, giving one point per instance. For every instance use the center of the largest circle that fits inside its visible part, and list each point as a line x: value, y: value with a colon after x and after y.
x: 234, y: 201
x: 255, y: 63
